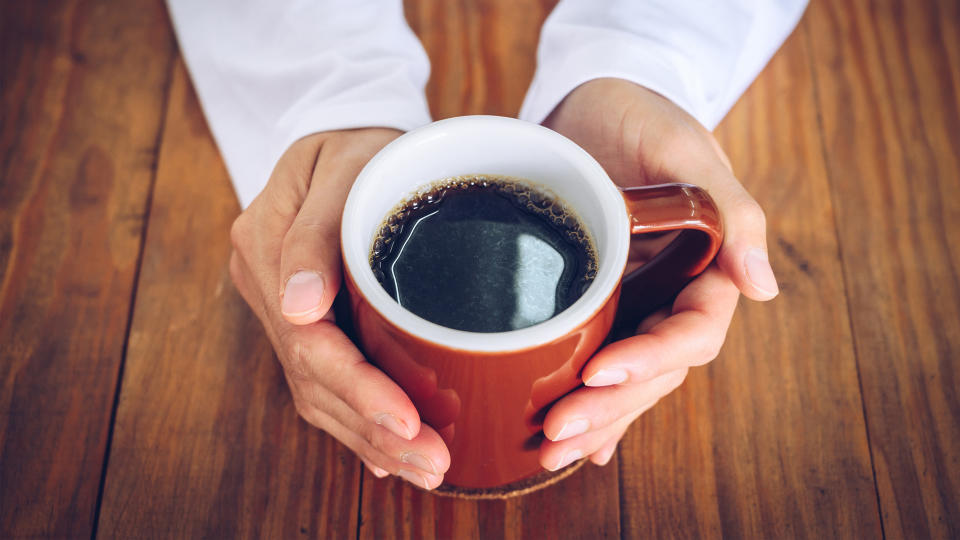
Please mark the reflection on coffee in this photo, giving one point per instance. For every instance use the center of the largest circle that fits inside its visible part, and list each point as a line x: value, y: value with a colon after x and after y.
x: 483, y: 254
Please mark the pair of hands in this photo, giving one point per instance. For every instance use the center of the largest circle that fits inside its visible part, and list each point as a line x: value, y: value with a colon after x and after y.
x: 286, y: 264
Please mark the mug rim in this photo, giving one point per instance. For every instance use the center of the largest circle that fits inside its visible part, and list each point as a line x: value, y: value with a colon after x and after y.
x: 355, y: 250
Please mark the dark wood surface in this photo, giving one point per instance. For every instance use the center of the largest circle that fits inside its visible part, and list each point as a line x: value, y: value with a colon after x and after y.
x: 84, y: 87
x: 139, y: 397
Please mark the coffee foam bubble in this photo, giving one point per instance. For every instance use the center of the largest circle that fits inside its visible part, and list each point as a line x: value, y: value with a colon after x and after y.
x: 522, y: 193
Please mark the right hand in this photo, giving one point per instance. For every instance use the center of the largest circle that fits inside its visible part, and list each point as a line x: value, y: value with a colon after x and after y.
x: 286, y: 264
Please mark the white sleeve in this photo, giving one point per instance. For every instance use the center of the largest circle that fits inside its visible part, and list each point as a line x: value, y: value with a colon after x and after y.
x: 269, y: 72
x: 701, y: 54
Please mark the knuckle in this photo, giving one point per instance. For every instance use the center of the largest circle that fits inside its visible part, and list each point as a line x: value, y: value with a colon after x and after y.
x: 291, y: 239
x: 295, y: 239
x: 316, y: 232
x: 687, y: 139
x: 677, y: 378
x: 657, y: 349
x: 310, y: 402
x: 303, y: 409
x: 239, y: 231
x: 353, y: 395
x: 677, y: 142
x: 709, y: 351
x: 297, y: 357
x: 313, y: 396
x: 721, y: 154
x: 676, y: 132
x: 375, y: 435
x: 236, y: 273
x: 751, y: 214
x: 370, y: 461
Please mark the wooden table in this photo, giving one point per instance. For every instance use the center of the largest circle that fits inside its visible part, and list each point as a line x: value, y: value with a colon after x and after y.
x: 139, y: 396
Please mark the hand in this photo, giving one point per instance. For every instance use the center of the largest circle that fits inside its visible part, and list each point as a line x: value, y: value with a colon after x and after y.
x: 286, y: 264
x: 642, y: 138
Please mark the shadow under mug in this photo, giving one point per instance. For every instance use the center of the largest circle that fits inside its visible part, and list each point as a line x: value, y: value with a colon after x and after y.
x: 487, y: 393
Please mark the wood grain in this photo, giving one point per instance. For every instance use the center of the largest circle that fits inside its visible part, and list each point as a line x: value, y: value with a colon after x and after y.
x: 207, y: 442
x: 887, y: 77
x: 82, y: 88
x: 769, y: 440
x: 850, y: 140
x: 585, y: 505
x: 482, y: 52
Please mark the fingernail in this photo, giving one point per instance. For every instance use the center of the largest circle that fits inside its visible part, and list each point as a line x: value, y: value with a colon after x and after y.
x: 572, y: 429
x: 413, y: 478
x: 421, y: 462
x: 568, y: 458
x: 760, y: 273
x: 302, y: 295
x: 395, y: 425
x: 607, y: 377
x: 377, y: 471
x: 606, y: 459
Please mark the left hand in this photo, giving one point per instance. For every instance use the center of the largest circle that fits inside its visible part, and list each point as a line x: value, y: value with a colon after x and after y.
x: 286, y: 265
x: 642, y: 138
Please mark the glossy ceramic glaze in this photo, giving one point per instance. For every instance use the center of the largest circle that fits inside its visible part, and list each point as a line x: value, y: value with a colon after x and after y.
x: 487, y: 394
x: 661, y: 208
x: 488, y: 407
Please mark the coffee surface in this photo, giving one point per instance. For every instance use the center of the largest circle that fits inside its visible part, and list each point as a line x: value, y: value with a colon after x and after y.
x: 483, y: 254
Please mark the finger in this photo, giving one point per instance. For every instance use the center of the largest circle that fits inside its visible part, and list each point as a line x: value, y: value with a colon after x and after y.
x: 653, y: 319
x: 692, y: 336
x: 374, y: 470
x: 380, y: 439
x: 645, y: 247
x: 391, y: 461
x: 591, y: 409
x: 245, y: 281
x: 321, y: 352
x: 557, y: 455
x: 743, y: 255
x: 603, y: 455
x: 257, y: 234
x: 310, y: 257
x: 427, y: 451
x: 238, y: 273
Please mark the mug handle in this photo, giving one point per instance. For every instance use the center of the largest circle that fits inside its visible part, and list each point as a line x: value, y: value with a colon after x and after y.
x: 661, y: 208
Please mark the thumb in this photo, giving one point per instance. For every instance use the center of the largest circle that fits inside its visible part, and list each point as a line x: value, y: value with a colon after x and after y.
x: 743, y: 256
x: 310, y: 256
x: 310, y: 265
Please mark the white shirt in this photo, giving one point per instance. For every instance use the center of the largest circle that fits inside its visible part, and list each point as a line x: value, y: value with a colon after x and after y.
x: 269, y: 72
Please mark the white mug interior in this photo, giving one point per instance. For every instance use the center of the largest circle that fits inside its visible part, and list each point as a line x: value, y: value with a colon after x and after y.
x: 495, y: 146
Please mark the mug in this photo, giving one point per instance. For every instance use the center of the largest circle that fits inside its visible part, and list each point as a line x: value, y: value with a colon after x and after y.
x: 487, y: 393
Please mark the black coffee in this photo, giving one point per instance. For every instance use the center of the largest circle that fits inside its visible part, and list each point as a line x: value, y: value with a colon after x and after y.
x: 483, y: 254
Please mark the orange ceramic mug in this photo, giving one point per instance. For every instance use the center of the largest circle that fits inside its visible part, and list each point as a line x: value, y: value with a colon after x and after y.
x: 487, y: 393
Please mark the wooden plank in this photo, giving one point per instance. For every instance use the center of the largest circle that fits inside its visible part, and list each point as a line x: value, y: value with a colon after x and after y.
x: 482, y: 52
x: 82, y: 88
x: 887, y: 76
x: 207, y: 442
x: 482, y: 55
x: 585, y: 505
x: 769, y: 440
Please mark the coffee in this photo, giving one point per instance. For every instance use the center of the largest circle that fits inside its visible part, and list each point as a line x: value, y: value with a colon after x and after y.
x: 483, y: 254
